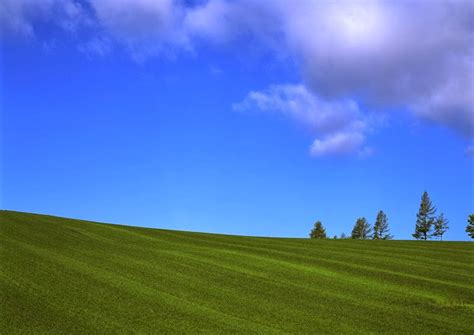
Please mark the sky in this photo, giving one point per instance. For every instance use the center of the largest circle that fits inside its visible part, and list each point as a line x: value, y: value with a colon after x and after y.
x: 241, y: 117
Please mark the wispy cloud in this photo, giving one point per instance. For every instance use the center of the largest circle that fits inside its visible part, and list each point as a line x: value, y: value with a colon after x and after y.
x: 337, y: 144
x: 97, y: 46
x: 470, y: 151
x: 20, y: 17
x: 339, y: 126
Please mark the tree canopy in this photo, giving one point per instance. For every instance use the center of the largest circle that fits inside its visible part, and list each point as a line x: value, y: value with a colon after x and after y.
x: 440, y: 226
x: 318, y: 231
x: 425, y: 218
x: 381, y: 230
x: 470, y: 226
x: 361, y: 229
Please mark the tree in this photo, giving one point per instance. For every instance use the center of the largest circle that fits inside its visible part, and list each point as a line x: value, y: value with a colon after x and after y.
x: 343, y: 236
x: 335, y: 237
x: 361, y: 229
x: 470, y: 226
x: 424, y: 218
x: 381, y: 230
x: 440, y: 226
x: 318, y: 231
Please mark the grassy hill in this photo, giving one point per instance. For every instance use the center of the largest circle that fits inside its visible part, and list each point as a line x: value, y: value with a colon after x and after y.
x: 69, y: 276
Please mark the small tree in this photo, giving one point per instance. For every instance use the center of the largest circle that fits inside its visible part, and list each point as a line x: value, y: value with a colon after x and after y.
x: 318, y: 231
x: 343, y: 236
x: 424, y: 218
x: 470, y: 226
x: 334, y: 237
x: 440, y: 226
x: 361, y: 229
x: 381, y: 230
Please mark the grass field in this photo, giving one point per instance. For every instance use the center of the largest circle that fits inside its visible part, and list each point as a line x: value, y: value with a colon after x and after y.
x: 69, y: 276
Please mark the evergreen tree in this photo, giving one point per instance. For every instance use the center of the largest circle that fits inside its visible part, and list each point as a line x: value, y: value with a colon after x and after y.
x: 424, y: 218
x: 318, y: 231
x: 440, y: 226
x: 470, y: 226
x: 361, y: 229
x: 381, y: 230
x: 335, y: 237
x: 343, y: 236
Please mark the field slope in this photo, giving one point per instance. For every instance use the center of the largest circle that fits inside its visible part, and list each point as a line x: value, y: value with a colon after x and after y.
x: 69, y: 276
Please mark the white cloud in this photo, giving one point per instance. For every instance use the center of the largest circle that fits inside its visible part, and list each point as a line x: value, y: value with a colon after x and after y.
x: 452, y: 103
x: 145, y: 27
x: 222, y: 21
x: 339, y: 125
x: 338, y: 144
x: 417, y: 55
x: 16, y: 15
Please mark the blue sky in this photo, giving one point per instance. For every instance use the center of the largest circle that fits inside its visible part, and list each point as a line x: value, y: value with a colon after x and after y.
x: 237, y: 117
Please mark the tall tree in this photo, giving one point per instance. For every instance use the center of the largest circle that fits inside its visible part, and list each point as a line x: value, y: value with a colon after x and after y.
x: 470, y: 226
x: 318, y: 231
x: 361, y: 229
x: 440, y: 226
x: 381, y: 230
x: 424, y: 218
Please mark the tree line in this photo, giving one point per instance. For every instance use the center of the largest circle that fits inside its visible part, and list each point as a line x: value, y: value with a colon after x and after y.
x: 428, y: 225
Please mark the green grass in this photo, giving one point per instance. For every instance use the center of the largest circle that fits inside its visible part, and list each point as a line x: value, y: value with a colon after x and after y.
x: 69, y: 276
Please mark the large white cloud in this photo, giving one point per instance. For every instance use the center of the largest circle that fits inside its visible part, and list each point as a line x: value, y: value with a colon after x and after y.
x: 412, y: 54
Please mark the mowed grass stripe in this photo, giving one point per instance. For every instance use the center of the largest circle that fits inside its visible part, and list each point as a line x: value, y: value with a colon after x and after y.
x: 92, y: 277
x: 134, y: 287
x: 345, y: 298
x: 385, y: 264
x: 335, y: 249
x: 411, y: 278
